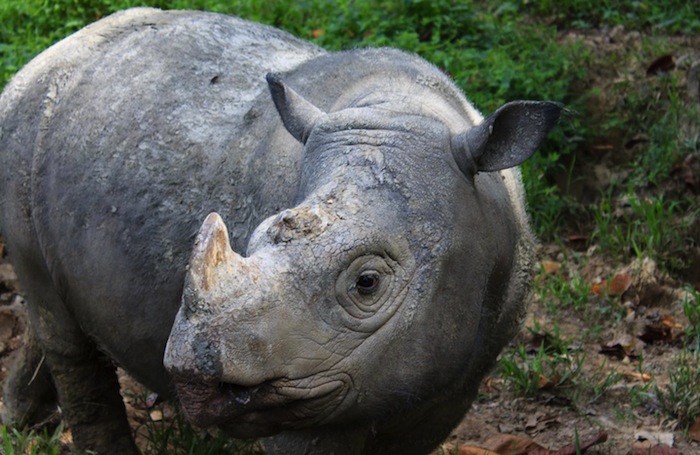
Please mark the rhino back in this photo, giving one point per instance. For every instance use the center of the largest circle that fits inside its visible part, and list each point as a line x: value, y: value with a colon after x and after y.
x: 120, y: 139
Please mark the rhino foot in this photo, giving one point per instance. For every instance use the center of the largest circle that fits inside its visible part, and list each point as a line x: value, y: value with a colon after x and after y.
x: 29, y: 396
x: 92, y: 405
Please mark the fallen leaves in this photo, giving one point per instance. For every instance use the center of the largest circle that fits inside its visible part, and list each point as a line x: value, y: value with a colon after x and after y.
x: 644, y: 377
x: 623, y: 346
x: 539, y: 421
x: 653, y: 443
x: 501, y: 444
x: 510, y: 444
x: 647, y: 449
x: 655, y: 327
x: 619, y: 283
x: 694, y: 430
x: 660, y: 327
x: 661, y: 65
x: 550, y: 267
x: 156, y: 415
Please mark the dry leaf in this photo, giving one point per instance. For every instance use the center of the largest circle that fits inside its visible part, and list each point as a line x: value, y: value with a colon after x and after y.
x: 545, y: 382
x: 471, y: 450
x: 638, y: 376
x: 599, y: 288
x: 66, y: 437
x: 694, y: 430
x: 319, y: 32
x: 661, y: 65
x: 620, y: 283
x: 490, y: 385
x: 538, y: 422
x: 624, y: 346
x: 511, y: 444
x: 646, y: 448
x: 660, y: 328
x: 617, y: 286
x: 156, y: 415
x: 613, y: 350
x: 576, y: 448
x: 550, y: 267
x: 577, y: 238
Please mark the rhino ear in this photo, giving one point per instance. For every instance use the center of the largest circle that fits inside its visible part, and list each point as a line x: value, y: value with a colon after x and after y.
x: 506, y: 138
x: 298, y: 115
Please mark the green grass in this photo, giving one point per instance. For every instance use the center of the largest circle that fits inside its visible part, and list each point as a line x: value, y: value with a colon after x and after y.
x: 176, y: 437
x: 172, y: 436
x: 670, y: 16
x: 553, y: 366
x: 680, y: 398
x: 30, y: 442
x: 632, y: 226
x: 691, y: 309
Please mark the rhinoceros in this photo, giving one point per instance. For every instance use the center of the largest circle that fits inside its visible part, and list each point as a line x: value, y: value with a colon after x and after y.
x: 326, y: 250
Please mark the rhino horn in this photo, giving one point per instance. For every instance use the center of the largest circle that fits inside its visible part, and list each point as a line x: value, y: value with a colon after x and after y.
x: 298, y: 114
x: 211, y: 261
x: 507, y: 138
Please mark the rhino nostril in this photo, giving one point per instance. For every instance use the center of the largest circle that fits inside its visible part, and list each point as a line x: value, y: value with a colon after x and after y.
x: 239, y: 394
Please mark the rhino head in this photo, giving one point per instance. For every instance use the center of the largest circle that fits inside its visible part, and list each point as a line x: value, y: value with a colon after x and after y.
x: 397, y: 273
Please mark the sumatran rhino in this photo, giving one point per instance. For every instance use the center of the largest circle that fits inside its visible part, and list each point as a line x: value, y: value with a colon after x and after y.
x: 326, y: 249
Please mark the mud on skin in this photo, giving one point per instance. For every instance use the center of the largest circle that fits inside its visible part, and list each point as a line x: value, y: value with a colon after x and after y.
x: 328, y: 250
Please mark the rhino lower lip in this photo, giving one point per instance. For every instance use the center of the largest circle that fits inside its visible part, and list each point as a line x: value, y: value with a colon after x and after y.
x: 261, y: 410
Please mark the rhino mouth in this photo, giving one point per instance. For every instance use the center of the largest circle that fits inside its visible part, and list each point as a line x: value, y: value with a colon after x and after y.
x: 261, y: 410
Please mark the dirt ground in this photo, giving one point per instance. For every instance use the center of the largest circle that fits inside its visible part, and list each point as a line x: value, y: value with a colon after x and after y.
x: 641, y: 350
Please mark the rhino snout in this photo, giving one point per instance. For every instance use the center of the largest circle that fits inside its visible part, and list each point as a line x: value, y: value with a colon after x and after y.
x: 244, y: 353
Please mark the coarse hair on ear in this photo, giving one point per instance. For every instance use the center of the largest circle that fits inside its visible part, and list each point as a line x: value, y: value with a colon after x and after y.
x: 506, y: 138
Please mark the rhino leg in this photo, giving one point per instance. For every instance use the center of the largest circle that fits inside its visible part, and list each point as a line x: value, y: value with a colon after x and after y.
x: 91, y: 403
x: 84, y: 378
x: 29, y: 396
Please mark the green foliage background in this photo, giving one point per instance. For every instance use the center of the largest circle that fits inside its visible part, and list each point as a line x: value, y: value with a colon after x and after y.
x: 496, y: 51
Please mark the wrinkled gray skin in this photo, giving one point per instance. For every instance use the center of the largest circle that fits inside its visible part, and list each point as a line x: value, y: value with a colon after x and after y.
x: 378, y: 257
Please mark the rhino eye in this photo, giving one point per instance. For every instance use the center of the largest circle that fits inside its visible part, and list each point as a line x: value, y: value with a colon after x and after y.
x: 367, y: 283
